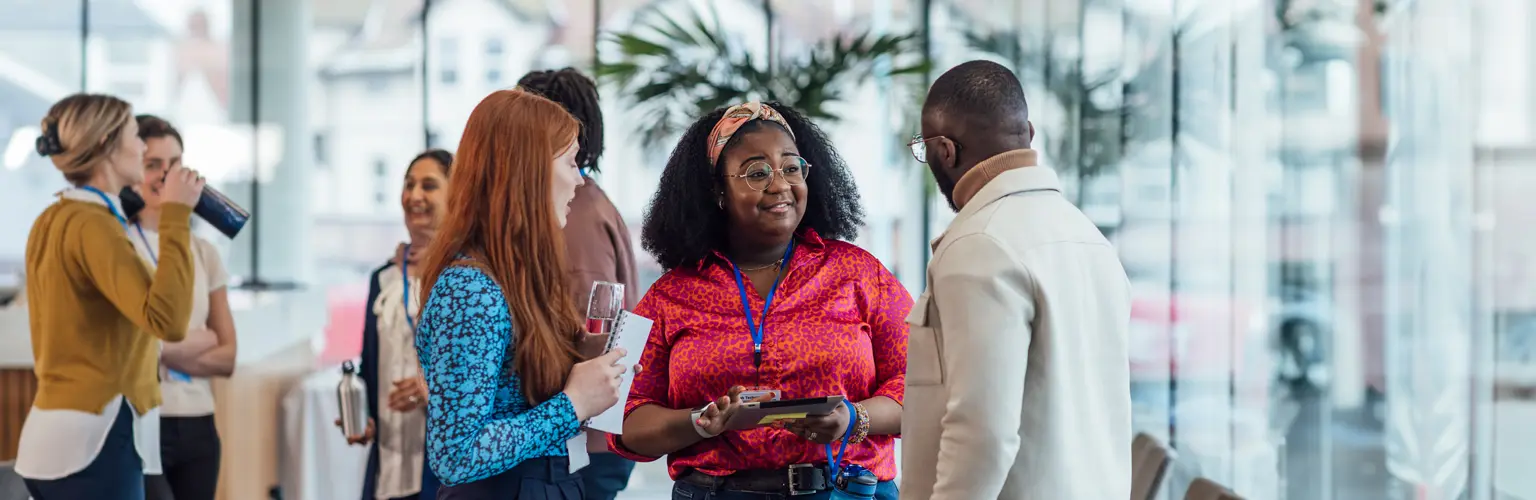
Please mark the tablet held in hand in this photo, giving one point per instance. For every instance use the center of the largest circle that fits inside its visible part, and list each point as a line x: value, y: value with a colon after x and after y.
x: 760, y: 413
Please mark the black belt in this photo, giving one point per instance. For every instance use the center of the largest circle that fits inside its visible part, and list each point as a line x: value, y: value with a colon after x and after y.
x: 795, y: 480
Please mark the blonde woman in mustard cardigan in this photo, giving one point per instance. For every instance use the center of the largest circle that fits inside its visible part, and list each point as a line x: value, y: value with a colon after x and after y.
x: 97, y: 313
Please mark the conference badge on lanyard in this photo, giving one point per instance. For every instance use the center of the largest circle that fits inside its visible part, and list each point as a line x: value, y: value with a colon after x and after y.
x: 405, y: 286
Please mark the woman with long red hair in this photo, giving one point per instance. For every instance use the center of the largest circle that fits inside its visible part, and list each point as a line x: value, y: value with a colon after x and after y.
x: 499, y: 331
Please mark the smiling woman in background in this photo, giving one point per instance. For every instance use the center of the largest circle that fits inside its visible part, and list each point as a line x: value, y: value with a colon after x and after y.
x: 189, y: 440
x: 397, y: 458
x: 97, y: 312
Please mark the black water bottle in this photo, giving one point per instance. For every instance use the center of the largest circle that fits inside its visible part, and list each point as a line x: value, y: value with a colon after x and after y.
x: 213, y: 207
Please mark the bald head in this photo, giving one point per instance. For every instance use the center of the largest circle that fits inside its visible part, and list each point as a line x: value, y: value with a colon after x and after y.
x: 973, y: 112
x: 980, y: 92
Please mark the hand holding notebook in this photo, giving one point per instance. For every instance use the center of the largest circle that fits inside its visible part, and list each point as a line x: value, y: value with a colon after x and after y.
x: 630, y: 332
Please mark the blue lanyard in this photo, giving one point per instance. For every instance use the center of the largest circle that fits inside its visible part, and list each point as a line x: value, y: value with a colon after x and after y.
x: 405, y: 280
x: 757, y: 328
x: 175, y: 375
x: 110, y: 206
x: 853, y: 421
x: 147, y: 248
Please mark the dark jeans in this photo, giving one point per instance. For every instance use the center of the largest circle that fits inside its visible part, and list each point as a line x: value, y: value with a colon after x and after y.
x: 547, y: 478
x: 886, y: 490
x: 189, y: 458
x: 606, y: 476
x: 117, y: 473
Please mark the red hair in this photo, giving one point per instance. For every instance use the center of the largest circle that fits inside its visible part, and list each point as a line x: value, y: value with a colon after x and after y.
x: 501, y: 214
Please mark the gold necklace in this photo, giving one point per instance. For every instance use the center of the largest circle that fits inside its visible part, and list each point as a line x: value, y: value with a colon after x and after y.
x: 762, y: 267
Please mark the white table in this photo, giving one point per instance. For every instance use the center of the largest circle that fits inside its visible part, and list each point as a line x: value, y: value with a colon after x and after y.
x: 317, y: 463
x: 280, y: 334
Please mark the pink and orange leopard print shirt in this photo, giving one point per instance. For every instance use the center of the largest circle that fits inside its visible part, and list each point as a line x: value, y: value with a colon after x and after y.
x: 837, y: 326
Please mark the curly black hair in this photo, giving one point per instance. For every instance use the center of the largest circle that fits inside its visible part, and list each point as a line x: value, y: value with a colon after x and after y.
x: 685, y: 222
x: 578, y: 94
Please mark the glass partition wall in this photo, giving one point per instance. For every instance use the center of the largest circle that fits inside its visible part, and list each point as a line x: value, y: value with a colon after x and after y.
x: 1319, y: 203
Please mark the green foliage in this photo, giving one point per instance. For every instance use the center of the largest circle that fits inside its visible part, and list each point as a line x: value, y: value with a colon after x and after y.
x: 1089, y: 139
x: 677, y: 70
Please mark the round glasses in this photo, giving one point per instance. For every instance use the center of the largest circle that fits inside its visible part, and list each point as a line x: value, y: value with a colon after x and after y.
x: 759, y: 174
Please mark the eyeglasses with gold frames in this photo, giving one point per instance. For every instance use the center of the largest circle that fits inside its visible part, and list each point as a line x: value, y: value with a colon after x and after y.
x: 919, y: 146
x: 759, y: 174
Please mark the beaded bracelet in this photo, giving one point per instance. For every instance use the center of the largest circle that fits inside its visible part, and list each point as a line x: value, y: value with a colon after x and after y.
x: 861, y: 429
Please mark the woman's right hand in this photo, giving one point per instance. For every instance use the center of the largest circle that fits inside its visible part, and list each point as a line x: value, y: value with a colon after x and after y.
x: 182, y: 185
x: 717, y: 416
x: 594, y: 384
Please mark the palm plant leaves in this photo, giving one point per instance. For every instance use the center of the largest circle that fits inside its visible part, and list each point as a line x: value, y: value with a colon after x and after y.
x: 675, y: 70
x: 1107, y: 113
x: 1089, y: 139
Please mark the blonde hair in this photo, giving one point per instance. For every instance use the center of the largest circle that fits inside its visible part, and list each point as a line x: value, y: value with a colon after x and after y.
x: 84, y: 131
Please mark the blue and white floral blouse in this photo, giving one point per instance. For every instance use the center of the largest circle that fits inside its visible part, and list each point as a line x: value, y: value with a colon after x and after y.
x: 479, y: 424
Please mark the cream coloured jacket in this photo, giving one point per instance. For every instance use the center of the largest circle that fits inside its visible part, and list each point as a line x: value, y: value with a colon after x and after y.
x: 1018, y: 384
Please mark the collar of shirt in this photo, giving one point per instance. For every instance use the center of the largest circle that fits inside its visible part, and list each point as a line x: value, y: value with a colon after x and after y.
x: 982, y: 174
x: 78, y: 194
x: 1007, y: 182
x: 805, y: 239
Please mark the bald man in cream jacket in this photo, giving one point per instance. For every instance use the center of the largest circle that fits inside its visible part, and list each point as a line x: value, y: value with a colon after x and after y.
x: 1018, y: 380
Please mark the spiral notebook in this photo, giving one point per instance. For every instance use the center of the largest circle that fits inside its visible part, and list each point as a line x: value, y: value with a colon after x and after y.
x: 630, y: 331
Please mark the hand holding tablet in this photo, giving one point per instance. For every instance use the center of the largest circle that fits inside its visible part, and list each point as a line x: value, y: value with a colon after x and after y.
x: 717, y: 416
x: 738, y: 411
x: 822, y: 429
x: 755, y: 414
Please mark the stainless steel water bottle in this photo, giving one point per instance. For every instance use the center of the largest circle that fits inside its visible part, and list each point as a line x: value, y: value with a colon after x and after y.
x: 352, y: 400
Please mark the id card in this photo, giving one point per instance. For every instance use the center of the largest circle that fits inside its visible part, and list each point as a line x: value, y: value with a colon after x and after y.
x: 760, y: 395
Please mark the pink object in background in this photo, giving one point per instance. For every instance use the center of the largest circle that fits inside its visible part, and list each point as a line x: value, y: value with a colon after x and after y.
x: 346, y: 307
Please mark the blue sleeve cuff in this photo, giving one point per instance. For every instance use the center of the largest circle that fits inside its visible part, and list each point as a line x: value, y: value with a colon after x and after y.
x: 561, y: 413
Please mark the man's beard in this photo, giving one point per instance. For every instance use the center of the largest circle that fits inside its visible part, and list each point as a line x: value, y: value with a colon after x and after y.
x: 946, y: 186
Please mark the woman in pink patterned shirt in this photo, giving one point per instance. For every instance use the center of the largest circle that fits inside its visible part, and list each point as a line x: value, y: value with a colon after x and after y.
x: 749, y: 219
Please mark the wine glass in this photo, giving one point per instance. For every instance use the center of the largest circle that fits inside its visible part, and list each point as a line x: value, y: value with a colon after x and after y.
x: 603, y: 308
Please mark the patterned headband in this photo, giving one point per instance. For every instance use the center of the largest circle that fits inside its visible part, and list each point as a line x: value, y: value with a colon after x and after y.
x: 737, y: 116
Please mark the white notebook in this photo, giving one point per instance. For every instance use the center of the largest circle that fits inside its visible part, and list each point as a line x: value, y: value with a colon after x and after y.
x: 629, y: 332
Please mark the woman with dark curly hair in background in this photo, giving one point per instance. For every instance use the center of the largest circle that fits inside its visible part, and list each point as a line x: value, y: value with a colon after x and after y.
x: 762, y: 296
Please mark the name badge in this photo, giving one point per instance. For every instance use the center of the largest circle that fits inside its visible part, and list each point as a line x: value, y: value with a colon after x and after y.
x: 760, y: 395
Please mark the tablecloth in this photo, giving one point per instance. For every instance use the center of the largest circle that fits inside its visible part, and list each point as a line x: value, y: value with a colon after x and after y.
x: 317, y: 463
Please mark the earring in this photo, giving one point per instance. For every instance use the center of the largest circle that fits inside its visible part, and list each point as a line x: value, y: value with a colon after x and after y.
x: 720, y: 202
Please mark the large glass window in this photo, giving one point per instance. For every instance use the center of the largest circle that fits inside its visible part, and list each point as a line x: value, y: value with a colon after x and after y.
x: 42, y: 59
x: 1318, y: 203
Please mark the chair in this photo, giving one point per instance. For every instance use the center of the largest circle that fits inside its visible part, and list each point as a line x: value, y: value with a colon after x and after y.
x: 1206, y: 489
x: 11, y: 487
x: 1149, y: 464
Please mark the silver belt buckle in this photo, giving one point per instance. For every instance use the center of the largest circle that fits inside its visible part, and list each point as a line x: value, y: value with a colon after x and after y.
x: 794, y: 486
